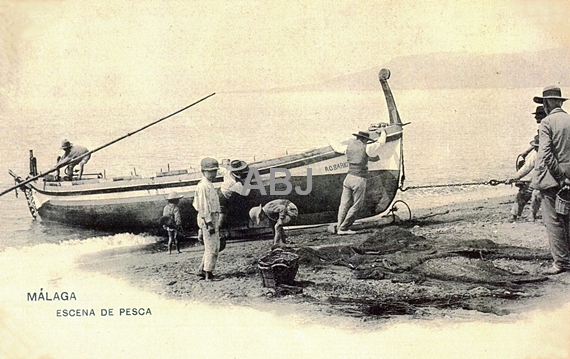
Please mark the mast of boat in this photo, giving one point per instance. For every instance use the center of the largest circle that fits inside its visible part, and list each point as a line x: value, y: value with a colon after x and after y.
x: 55, y: 168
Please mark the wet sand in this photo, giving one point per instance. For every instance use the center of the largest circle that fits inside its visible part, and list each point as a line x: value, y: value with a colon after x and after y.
x: 464, y: 260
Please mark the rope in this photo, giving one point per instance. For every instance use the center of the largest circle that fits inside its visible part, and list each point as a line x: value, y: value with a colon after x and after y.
x: 490, y: 182
x: 402, y: 163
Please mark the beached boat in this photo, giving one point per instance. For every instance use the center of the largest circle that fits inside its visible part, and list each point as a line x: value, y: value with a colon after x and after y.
x: 135, y: 204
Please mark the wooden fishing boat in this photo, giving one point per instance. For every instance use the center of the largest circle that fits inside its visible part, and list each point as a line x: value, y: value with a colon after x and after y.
x: 135, y: 204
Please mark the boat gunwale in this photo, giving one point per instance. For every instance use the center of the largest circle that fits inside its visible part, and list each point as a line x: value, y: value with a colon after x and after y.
x: 290, y: 161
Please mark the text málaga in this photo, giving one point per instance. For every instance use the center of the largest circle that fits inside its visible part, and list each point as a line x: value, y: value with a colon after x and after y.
x: 47, y: 296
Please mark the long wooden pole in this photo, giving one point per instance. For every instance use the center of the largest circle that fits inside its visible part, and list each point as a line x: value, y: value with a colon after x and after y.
x: 101, y: 147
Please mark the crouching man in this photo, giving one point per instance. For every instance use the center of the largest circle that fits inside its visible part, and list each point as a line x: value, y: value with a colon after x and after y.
x: 279, y: 212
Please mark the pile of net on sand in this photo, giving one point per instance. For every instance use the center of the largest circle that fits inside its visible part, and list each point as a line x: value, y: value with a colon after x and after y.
x: 393, y: 252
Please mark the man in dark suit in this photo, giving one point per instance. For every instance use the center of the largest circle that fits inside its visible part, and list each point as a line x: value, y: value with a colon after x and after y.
x: 552, y: 172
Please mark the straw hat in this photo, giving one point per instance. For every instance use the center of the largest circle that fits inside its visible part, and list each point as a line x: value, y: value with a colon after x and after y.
x: 238, y: 166
x: 364, y: 135
x: 550, y: 92
x: 173, y: 196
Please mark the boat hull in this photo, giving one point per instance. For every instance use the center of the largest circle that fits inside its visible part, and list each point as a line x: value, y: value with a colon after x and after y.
x: 141, y: 213
x: 135, y: 204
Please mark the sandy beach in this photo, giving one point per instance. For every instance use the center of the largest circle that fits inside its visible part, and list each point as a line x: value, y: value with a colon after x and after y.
x: 465, y: 261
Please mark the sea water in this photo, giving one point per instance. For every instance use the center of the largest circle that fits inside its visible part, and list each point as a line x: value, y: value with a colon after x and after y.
x: 455, y: 136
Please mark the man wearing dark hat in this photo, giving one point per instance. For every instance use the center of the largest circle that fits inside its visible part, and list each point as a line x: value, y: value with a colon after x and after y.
x: 234, y: 178
x: 360, y: 150
x: 539, y: 114
x: 551, y: 173
x: 70, y: 152
x: 525, y: 165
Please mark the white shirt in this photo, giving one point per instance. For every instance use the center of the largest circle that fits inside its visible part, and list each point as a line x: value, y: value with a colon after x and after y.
x: 206, y: 200
x: 372, y: 149
x: 528, y: 166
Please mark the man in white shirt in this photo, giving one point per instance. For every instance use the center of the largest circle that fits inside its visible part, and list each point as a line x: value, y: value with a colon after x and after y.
x: 207, y: 204
x: 526, y: 188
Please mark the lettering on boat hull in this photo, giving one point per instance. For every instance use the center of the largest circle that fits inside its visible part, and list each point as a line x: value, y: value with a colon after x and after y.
x: 337, y: 166
x: 140, y: 214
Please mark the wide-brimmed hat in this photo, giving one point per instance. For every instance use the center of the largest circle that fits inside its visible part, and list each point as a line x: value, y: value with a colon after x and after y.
x: 534, y: 141
x: 255, y: 214
x: 539, y: 111
x: 173, y: 196
x: 66, y: 144
x: 550, y: 92
x: 364, y: 135
x: 209, y: 164
x: 238, y: 166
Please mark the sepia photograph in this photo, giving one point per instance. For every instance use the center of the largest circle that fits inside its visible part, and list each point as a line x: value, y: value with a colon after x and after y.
x: 284, y: 179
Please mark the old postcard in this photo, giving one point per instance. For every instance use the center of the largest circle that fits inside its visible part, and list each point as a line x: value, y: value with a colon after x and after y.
x: 284, y: 179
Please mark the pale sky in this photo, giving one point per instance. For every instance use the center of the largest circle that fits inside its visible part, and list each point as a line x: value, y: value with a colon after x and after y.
x: 140, y: 50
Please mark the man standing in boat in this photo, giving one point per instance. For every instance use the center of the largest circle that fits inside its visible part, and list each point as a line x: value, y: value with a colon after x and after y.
x: 552, y: 172
x: 70, y: 152
x: 207, y: 204
x: 359, y: 151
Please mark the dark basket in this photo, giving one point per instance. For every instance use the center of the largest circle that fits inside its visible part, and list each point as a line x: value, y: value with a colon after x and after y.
x: 562, y: 202
x: 278, y: 267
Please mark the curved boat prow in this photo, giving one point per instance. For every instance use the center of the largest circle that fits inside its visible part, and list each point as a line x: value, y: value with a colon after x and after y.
x: 383, y: 76
x: 135, y: 204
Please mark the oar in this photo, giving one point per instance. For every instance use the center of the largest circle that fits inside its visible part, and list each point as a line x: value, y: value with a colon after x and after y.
x: 55, y: 168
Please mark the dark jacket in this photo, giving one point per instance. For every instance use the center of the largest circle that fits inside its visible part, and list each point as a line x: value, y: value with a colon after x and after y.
x: 553, y: 159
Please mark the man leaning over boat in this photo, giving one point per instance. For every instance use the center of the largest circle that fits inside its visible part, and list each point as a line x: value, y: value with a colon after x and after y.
x: 234, y: 177
x: 359, y: 151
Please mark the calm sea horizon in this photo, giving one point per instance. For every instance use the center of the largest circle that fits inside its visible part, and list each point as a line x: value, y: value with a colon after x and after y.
x: 455, y: 136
